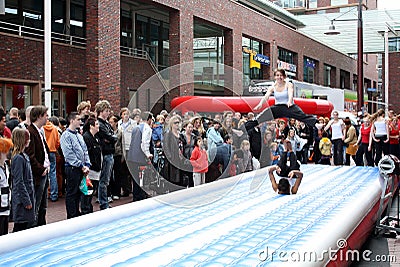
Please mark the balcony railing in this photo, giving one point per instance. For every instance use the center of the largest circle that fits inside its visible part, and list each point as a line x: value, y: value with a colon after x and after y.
x: 35, y: 33
x: 134, y: 52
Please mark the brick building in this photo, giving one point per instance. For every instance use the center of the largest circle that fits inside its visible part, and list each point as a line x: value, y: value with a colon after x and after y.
x: 109, y: 50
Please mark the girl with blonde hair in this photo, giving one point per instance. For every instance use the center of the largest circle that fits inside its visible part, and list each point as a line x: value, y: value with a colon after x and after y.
x: 23, y: 199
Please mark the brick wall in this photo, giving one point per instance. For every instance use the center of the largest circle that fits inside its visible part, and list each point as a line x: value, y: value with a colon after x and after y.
x: 138, y: 75
x: 394, y: 81
x: 108, y: 74
x: 103, y: 50
x: 23, y: 59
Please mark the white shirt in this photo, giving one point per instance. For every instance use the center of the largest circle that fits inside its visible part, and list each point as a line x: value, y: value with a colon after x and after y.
x: 380, y: 128
x: 146, y: 139
x: 337, y: 130
x: 46, y: 163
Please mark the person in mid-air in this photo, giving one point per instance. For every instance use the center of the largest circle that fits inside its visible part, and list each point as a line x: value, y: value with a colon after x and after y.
x: 284, y: 106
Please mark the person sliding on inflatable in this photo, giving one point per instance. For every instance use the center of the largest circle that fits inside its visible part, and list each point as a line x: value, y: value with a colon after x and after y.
x: 284, y: 106
x: 288, y: 168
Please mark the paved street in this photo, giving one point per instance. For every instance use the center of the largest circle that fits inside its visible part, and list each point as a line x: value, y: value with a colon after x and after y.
x: 56, y: 210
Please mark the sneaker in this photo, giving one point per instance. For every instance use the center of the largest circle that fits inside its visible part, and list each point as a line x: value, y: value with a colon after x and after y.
x: 110, y: 199
x: 115, y: 197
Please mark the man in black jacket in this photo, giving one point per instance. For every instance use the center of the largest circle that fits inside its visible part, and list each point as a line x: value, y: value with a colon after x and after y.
x: 107, y: 141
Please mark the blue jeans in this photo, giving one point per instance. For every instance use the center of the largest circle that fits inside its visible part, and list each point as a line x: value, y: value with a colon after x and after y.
x: 53, y: 177
x: 108, y: 163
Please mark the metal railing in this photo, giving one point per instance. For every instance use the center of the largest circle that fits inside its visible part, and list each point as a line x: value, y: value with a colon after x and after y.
x: 134, y: 52
x: 35, y: 33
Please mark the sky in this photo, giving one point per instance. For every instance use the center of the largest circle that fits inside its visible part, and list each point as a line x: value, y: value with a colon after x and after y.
x: 388, y: 4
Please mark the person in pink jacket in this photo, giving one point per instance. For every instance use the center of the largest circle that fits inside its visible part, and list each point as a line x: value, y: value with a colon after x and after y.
x: 199, y: 160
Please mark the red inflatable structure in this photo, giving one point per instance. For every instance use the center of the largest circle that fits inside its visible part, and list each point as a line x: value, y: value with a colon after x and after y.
x: 245, y: 104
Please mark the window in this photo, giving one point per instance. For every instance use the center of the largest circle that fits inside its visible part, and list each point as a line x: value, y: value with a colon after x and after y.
x: 312, y: 4
x: 327, y: 75
x: 77, y: 18
x: 58, y: 16
x: 18, y: 95
x: 286, y: 55
x: 293, y: 3
x: 309, y: 70
x: 394, y: 44
x: 126, y: 29
x: 339, y: 2
x: 255, y: 46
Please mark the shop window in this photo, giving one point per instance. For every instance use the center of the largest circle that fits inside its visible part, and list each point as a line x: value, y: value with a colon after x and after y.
x: 256, y: 47
x: 18, y: 95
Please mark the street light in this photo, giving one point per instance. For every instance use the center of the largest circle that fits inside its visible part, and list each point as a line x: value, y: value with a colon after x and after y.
x: 360, y: 49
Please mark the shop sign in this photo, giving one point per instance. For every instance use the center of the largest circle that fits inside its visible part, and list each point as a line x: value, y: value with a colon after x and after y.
x: 258, y: 87
x: 287, y: 66
x: 248, y: 51
x: 262, y: 59
x: 258, y: 58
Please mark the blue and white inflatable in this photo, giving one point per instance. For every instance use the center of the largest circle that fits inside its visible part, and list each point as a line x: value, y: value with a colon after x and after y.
x: 238, y: 221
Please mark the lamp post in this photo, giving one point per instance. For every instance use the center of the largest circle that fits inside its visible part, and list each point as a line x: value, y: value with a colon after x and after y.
x: 360, y: 49
x: 360, y: 63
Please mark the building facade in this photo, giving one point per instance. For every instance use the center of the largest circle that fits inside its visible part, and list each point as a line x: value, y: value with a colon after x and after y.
x: 146, y: 53
x: 312, y: 7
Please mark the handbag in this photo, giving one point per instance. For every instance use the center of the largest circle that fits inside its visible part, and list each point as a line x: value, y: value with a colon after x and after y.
x: 93, y: 175
x: 351, y: 149
x: 86, y: 186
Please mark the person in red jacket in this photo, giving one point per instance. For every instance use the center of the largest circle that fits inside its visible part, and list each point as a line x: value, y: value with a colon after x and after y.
x: 4, y: 130
x: 199, y: 160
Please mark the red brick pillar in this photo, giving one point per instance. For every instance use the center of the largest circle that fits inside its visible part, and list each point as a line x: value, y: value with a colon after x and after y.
x: 300, y: 68
x: 181, y: 53
x: 266, y: 69
x: 233, y: 60
x: 103, y: 51
x: 273, y: 58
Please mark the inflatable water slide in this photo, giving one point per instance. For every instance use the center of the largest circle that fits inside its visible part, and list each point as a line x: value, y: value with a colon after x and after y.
x: 238, y: 221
